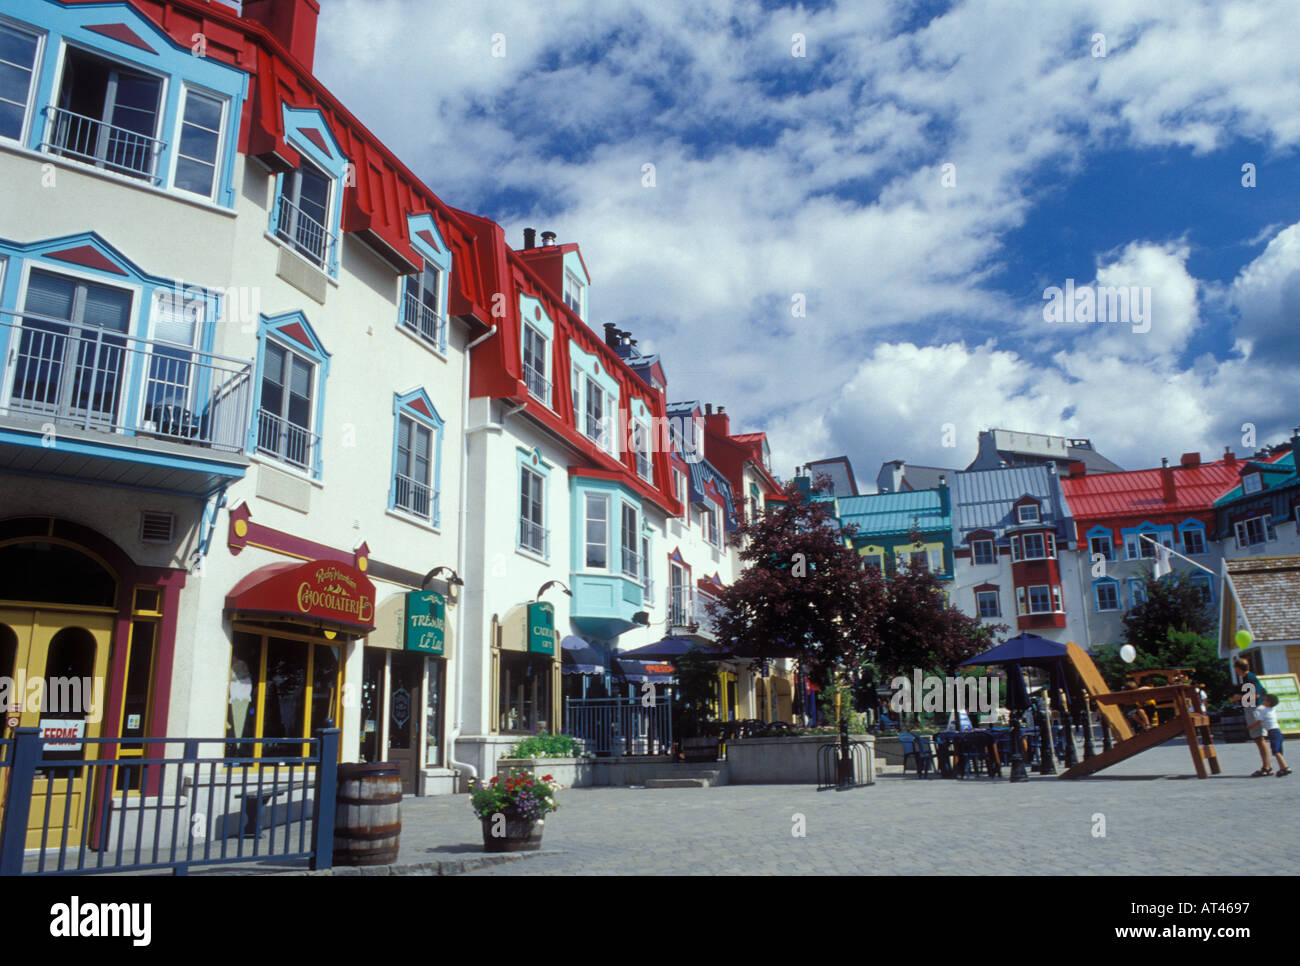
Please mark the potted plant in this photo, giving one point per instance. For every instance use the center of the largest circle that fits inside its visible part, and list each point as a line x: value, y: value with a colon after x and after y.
x: 513, y: 810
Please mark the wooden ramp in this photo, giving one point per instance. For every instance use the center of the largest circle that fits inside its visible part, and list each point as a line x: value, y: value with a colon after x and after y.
x: 1193, y: 724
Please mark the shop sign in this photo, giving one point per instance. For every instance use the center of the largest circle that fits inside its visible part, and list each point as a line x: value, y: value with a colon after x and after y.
x: 320, y: 589
x: 62, y: 734
x: 1287, y: 689
x: 426, y: 621
x: 541, y: 628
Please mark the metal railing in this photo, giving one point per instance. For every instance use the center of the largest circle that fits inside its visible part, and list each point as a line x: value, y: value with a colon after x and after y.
x: 680, y: 612
x: 424, y: 321
x: 534, y: 537
x: 631, y: 564
x: 312, y: 239
x: 94, y: 378
x: 286, y: 441
x: 102, y: 144
x: 621, y: 726
x: 648, y: 585
x: 165, y: 812
x: 538, y: 385
x: 416, y: 498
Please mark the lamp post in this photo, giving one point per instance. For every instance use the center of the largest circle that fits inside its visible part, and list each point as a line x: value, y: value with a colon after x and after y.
x: 454, y: 580
x: 548, y: 585
x: 1018, y: 773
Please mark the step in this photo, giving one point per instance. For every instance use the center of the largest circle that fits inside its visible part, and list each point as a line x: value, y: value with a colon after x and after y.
x: 678, y: 783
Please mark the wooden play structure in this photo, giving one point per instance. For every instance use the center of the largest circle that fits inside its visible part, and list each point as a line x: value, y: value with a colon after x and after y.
x: 1186, y: 720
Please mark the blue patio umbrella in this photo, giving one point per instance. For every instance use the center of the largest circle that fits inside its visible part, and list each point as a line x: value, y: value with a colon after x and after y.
x: 1017, y: 653
x: 668, y: 649
x: 637, y: 672
x: 579, y: 657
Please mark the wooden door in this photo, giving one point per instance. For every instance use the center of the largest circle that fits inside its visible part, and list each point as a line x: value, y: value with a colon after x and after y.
x: 405, y: 687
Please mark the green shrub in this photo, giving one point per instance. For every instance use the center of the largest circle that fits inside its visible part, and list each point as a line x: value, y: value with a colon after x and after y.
x: 545, y: 745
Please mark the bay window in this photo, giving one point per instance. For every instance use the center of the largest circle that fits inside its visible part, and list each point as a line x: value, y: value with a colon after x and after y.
x: 596, y: 528
x: 630, y: 534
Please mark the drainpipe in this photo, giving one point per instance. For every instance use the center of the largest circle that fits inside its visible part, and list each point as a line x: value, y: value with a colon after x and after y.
x: 469, y: 770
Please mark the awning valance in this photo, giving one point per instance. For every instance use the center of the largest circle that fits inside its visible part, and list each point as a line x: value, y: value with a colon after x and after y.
x: 322, y: 593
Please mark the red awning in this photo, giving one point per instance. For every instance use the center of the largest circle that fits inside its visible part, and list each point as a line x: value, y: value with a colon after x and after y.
x: 317, y: 592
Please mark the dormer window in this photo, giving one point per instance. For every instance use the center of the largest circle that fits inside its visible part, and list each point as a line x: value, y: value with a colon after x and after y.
x: 575, y: 294
x: 1028, y: 513
x: 1251, y: 483
x: 304, y: 214
x: 422, y: 308
x: 536, y: 365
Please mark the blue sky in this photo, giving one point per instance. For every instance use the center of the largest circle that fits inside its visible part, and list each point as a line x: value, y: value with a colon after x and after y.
x: 800, y: 151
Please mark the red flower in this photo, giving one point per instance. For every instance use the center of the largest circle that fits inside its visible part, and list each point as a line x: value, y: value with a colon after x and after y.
x: 547, y: 778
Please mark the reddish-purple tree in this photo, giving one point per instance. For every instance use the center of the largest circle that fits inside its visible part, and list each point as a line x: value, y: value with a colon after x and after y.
x: 803, y: 593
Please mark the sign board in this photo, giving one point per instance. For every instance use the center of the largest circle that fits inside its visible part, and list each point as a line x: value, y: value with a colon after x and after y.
x: 317, y: 590
x: 62, y: 734
x: 1287, y: 689
x: 541, y: 628
x: 426, y: 622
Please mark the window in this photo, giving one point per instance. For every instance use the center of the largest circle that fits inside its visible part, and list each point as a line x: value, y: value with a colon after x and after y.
x: 577, y: 396
x: 1027, y: 513
x: 982, y: 552
x: 597, y: 531
x: 874, y: 560
x: 641, y: 444
x: 1107, y: 592
x: 199, y: 144
x: 594, y: 426
x: 631, y: 533
x: 71, y: 357
x: 280, y: 688
x: 987, y: 603
x: 1255, y: 530
x: 683, y: 496
x: 679, y: 595
x: 285, y: 415
x: 647, y: 583
x: 1033, y: 546
x: 1201, y: 582
x: 1137, y: 593
x: 107, y: 115
x: 169, y: 408
x: 304, y: 214
x: 1021, y: 608
x: 573, y: 294
x: 524, y: 703
x: 536, y: 358
x: 1102, y: 544
x: 709, y: 523
x: 422, y: 305
x: 17, y: 62
x: 1251, y: 483
x: 412, y: 483
x: 1040, y: 599
x: 1193, y: 541
x: 918, y: 560
x: 1135, y: 547
x: 532, y: 514
x: 1056, y: 599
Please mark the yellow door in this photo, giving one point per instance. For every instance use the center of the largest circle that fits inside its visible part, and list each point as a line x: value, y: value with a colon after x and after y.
x: 60, y: 675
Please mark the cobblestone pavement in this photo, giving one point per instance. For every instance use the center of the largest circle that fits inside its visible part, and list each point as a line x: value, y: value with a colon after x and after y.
x: 1158, y: 819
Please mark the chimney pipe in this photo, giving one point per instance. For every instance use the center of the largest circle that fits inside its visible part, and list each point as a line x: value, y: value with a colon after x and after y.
x: 1228, y: 456
x: 1167, y: 490
x: 530, y: 238
x: 291, y: 22
x: 548, y: 239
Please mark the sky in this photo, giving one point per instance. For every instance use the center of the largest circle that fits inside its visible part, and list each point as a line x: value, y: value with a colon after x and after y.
x: 845, y: 222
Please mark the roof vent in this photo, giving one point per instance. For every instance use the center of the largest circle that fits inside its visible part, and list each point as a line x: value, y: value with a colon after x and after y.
x: 548, y: 239
x: 530, y: 238
x: 157, y: 527
x: 1190, y: 460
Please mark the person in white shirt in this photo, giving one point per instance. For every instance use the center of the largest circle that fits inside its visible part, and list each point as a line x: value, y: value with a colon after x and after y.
x: 1268, y: 718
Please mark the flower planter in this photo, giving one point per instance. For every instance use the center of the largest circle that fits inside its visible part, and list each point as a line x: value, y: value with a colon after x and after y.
x: 567, y: 772
x: 791, y: 760
x: 700, y: 749
x: 504, y: 832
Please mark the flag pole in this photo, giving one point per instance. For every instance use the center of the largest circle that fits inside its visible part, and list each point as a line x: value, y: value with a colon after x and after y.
x: 1160, y: 546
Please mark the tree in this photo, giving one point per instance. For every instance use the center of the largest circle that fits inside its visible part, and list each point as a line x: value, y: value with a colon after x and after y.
x: 1181, y: 649
x: 1173, y: 603
x: 804, y: 593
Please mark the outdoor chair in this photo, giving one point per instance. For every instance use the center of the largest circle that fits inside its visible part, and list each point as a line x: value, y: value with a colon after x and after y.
x: 977, y: 753
x: 914, y: 749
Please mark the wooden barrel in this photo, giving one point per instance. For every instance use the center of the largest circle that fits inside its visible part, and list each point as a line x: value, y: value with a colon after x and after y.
x: 368, y: 820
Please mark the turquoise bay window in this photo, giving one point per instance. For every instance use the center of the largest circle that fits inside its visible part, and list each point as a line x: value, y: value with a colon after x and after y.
x: 308, y: 210
x: 610, y: 552
x: 292, y: 366
x: 417, y: 457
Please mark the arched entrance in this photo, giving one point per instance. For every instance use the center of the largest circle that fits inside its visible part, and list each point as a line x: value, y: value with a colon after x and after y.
x: 58, y: 604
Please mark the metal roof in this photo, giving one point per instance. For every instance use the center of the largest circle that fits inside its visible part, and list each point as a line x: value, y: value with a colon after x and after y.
x: 1277, y: 473
x: 1139, y: 493
x: 884, y: 514
x: 984, y: 499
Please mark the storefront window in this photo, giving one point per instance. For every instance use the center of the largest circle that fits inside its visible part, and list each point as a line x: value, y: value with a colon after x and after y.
x: 525, y: 698
x: 279, y: 688
x: 433, y: 721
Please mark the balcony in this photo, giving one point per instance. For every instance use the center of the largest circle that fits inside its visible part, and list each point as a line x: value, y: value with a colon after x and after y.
x: 604, y: 604
x: 104, y: 145
x: 287, y: 442
x: 416, y: 498
x: 307, y: 236
x: 423, y: 321
x: 681, y: 609
x: 539, y: 387
x: 93, y: 404
x: 534, y: 538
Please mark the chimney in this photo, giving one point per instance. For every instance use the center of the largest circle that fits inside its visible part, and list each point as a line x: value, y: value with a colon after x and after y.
x: 1295, y: 444
x: 1167, y: 491
x: 1190, y: 460
x: 548, y: 239
x: 1228, y: 456
x: 716, y: 421
x: 1078, y: 469
x: 944, y: 505
x: 708, y: 409
x: 530, y: 238
x: 612, y: 335
x: 292, y: 22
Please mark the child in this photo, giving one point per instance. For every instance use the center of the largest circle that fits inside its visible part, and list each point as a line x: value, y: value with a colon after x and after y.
x: 1268, y: 717
x: 1250, y: 696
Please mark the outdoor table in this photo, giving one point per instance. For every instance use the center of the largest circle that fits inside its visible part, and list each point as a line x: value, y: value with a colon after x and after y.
x: 943, y: 751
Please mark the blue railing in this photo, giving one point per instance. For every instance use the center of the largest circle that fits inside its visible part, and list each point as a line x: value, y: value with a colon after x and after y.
x: 621, y: 726
x: 160, y: 811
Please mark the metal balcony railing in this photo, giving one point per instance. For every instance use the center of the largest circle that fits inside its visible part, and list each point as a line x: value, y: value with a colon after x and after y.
x: 631, y: 564
x: 416, y: 498
x: 648, y: 585
x: 93, y: 378
x: 679, y: 607
x: 311, y: 239
x: 294, y: 444
x: 538, y: 385
x: 424, y: 322
x: 534, y: 538
x: 102, y: 144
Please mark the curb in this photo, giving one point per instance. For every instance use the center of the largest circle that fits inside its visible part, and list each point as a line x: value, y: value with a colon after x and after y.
x: 436, y: 867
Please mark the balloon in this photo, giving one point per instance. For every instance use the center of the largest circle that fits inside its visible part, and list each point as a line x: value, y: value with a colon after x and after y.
x: 1244, y: 639
x: 1128, y: 653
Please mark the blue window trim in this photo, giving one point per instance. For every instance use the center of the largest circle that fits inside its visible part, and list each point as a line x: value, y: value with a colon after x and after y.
x: 1204, y: 580
x: 616, y: 492
x: 1100, y: 531
x: 438, y: 255
x: 1149, y: 529
x: 1096, y: 594
x: 334, y: 164
x: 1134, y: 589
x: 532, y: 458
x: 404, y: 405
x: 178, y: 65
x: 1193, y: 524
x: 272, y: 327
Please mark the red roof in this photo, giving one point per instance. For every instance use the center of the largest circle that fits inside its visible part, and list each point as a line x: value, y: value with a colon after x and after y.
x: 1139, y: 494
